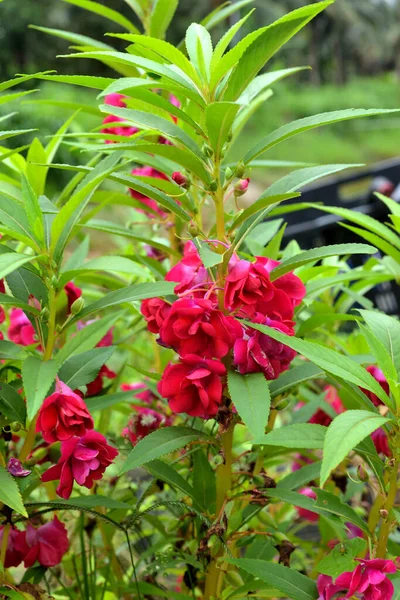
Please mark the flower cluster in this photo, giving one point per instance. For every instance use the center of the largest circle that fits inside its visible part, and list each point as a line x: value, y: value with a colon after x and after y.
x: 207, y: 336
x: 368, y: 581
x: 46, y: 545
x: 85, y: 454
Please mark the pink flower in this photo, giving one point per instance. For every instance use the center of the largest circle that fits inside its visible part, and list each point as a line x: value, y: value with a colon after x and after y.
x: 21, y: 330
x: 189, y: 272
x: 381, y: 379
x: 15, y: 541
x: 96, y: 386
x: 148, y: 202
x: 83, y: 460
x: 241, y: 186
x: 257, y: 352
x: 368, y: 581
x: 114, y: 129
x: 142, y: 423
x: 46, y: 544
x: 193, y: 386
x: 179, y: 178
x: 143, y: 393
x: 289, y: 283
x: 155, y: 311
x: 303, y: 512
x: 115, y: 99
x: 14, y: 466
x: 73, y: 293
x: 381, y: 443
x: 63, y: 415
x: 320, y: 417
x: 197, y: 326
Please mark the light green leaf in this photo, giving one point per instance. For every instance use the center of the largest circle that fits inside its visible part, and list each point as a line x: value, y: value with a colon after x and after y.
x: 299, y: 435
x: 11, y: 261
x: 9, y: 492
x: 199, y: 48
x: 316, y: 254
x: 387, y: 330
x: 159, y: 443
x: 37, y: 377
x: 296, y: 180
x: 32, y: 207
x: 342, y: 557
x: 291, y: 583
x: 12, y: 405
x: 344, y: 433
x: 219, y: 120
x: 104, y: 11
x: 75, y: 38
x: 295, y: 127
x: 376, y: 240
x: 161, y: 15
x: 113, y: 264
x: 251, y: 397
x: 226, y: 39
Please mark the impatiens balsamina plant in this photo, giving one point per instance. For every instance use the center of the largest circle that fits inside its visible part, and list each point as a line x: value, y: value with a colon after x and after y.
x: 204, y: 413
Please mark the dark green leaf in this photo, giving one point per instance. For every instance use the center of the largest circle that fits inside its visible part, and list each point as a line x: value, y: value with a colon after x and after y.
x: 83, y: 368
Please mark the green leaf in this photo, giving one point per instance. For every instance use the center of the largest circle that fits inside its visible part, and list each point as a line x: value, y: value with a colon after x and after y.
x: 204, y: 480
x: 381, y: 354
x: 291, y: 583
x: 333, y: 504
x: 10, y: 351
x: 342, y: 557
x: 32, y: 207
x: 161, y: 15
x: 328, y: 360
x: 107, y: 13
x: 378, y: 242
x: 37, y: 376
x: 9, y: 492
x: 226, y: 39
x: 287, y: 131
x: 316, y: 254
x: 112, y: 264
x: 293, y: 377
x: 12, y: 405
x: 13, y: 220
x: 344, y: 433
x: 219, y: 120
x: 87, y: 338
x: 83, y: 368
x: 223, y: 12
x: 11, y: 261
x: 159, y: 443
x: 36, y: 174
x: 165, y: 472
x: 93, y: 501
x: 387, y: 330
x: 297, y: 179
x: 260, y: 205
x: 26, y: 281
x: 108, y: 400
x: 75, y: 38
x: 130, y: 293
x: 251, y: 397
x: 264, y: 44
x: 299, y: 435
x: 301, y: 477
x: 199, y: 48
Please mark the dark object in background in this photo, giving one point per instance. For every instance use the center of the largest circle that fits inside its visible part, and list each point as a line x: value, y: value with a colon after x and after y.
x: 312, y: 228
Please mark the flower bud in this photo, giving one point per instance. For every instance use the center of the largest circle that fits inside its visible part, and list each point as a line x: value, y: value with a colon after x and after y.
x: 44, y: 313
x: 213, y: 186
x: 207, y: 150
x: 77, y: 306
x: 193, y: 229
x: 34, y: 302
x: 384, y: 513
x: 362, y: 474
x: 228, y: 173
x: 241, y: 187
x: 240, y: 169
x: 54, y: 282
x: 180, y: 179
x: 15, y: 427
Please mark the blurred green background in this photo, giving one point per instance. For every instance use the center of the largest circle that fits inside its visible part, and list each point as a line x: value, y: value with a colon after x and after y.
x: 353, y: 48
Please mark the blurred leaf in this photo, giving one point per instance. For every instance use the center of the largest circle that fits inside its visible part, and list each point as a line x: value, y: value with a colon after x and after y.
x: 301, y: 477
x: 167, y: 473
x: 104, y: 11
x: 162, y: 13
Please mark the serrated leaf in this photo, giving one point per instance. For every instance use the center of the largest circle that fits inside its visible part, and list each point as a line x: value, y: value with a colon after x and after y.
x: 220, y: 117
x: 12, y: 405
x: 251, y: 397
x: 37, y: 376
x: 387, y: 330
x: 83, y: 368
x: 161, y: 470
x: 158, y: 444
x: 199, y: 49
x: 9, y: 492
x: 11, y: 351
x: 342, y: 557
x: 344, y: 433
x: 299, y: 435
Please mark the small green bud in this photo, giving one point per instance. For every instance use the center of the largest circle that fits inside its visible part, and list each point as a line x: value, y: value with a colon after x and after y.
x: 384, y: 513
x: 44, y: 313
x: 193, y: 229
x: 54, y: 282
x: 228, y: 173
x: 224, y: 150
x: 77, y: 306
x: 240, y: 169
x: 213, y: 186
x: 15, y: 427
x: 207, y: 150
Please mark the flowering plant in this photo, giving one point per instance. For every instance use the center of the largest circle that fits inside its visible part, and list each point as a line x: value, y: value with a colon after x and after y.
x: 195, y: 396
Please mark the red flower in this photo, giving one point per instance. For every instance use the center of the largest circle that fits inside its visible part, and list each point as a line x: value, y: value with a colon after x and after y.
x: 63, y: 415
x: 193, y: 386
x: 381, y: 379
x: 288, y: 283
x: 381, y: 443
x: 149, y: 202
x: 46, y: 544
x: 368, y: 581
x: 143, y: 393
x: 304, y: 513
x: 179, y: 178
x: 2, y: 287
x: 189, y: 272
x: 96, y: 386
x: 83, y: 460
x: 21, y: 330
x: 115, y: 99
x: 155, y: 311
x: 73, y: 293
x: 15, y: 541
x: 196, y: 326
x: 257, y: 352
x: 142, y: 423
x: 320, y: 417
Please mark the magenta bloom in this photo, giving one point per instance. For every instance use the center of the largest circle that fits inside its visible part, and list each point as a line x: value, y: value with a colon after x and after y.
x: 142, y: 423
x: 303, y: 512
x: 189, y: 272
x: 21, y: 330
x: 95, y: 387
x: 15, y: 547
x: 155, y: 311
x: 83, y: 460
x: 368, y: 581
x: 63, y: 415
x: 381, y: 442
x: 197, y: 326
x: 143, y: 394
x: 289, y: 283
x: 257, y: 352
x: 46, y: 544
x: 193, y: 386
x: 73, y: 293
x: 148, y: 202
x: 14, y: 466
x: 115, y: 99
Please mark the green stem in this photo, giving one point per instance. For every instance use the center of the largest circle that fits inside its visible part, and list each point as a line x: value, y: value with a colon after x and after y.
x: 387, y: 524
x: 4, y: 543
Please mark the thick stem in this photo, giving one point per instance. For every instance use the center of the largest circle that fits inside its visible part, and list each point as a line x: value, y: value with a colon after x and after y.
x: 4, y: 543
x: 388, y: 505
